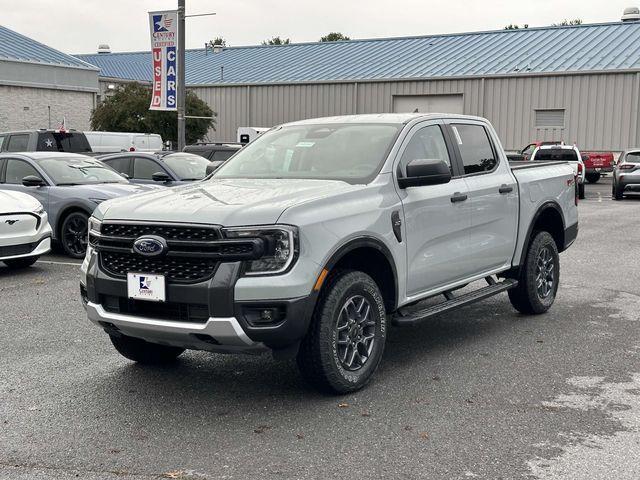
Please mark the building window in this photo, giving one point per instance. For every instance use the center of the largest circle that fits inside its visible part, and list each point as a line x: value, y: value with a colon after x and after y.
x: 550, y: 118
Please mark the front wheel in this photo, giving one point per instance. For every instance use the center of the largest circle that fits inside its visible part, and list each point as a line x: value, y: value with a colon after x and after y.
x: 346, y: 339
x: 539, y: 276
x: 141, y: 351
x: 73, y: 234
x: 18, y: 263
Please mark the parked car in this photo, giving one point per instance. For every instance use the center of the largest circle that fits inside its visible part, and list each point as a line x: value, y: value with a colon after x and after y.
x: 596, y: 164
x: 44, y: 140
x: 25, y: 233
x: 69, y: 186
x: 626, y: 176
x: 165, y: 168
x: 320, y: 232
x: 217, y: 153
x: 113, y: 142
x: 563, y: 153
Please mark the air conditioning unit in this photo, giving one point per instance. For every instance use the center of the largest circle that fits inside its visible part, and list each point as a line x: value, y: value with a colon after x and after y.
x: 631, y: 14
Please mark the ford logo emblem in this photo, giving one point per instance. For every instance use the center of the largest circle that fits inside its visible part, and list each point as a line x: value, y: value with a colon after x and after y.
x: 150, y: 246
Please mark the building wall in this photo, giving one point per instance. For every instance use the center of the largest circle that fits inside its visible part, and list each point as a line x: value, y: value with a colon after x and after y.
x: 601, y: 110
x: 25, y: 107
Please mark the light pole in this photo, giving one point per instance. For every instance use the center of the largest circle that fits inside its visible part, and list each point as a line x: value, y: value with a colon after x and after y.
x: 182, y: 91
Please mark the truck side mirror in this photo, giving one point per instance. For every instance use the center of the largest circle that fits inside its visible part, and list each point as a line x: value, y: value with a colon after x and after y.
x: 429, y: 171
x: 32, y: 181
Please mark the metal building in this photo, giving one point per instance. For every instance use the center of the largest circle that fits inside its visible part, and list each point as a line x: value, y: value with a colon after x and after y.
x: 580, y: 84
x: 41, y: 86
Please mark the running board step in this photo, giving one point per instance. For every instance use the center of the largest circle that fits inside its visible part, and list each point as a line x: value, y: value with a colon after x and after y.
x: 456, y: 302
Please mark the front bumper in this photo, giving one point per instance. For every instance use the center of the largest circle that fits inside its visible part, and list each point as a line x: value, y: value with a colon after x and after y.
x: 228, y: 324
x: 27, y: 249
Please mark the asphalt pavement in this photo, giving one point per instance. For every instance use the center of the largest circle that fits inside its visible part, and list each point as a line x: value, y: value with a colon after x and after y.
x: 483, y: 393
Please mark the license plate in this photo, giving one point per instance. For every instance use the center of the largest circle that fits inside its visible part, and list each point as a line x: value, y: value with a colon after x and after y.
x: 142, y: 286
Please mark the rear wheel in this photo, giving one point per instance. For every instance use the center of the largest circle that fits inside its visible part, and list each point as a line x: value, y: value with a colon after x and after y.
x: 73, y: 234
x: 593, y: 177
x: 581, y: 191
x: 17, y: 263
x: 141, y: 351
x: 539, y: 276
x: 346, y: 339
x: 617, y: 192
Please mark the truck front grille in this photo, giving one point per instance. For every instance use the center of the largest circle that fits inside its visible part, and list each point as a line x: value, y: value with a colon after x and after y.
x: 193, y: 252
x: 192, y: 270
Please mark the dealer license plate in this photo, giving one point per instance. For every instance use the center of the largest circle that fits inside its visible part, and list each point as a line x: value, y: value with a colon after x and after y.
x: 143, y: 286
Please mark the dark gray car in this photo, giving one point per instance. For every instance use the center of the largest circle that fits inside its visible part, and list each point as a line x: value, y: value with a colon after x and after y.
x: 163, y: 168
x: 69, y: 186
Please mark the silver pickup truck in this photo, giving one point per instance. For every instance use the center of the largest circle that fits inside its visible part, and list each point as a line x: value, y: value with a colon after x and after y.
x: 316, y: 237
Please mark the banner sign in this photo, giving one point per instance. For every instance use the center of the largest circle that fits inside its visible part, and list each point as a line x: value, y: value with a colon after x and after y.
x: 164, y: 40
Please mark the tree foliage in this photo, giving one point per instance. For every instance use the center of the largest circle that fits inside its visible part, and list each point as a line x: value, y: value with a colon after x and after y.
x: 334, y: 37
x: 127, y: 110
x: 567, y: 23
x: 277, y: 41
x: 513, y: 26
x: 217, y: 41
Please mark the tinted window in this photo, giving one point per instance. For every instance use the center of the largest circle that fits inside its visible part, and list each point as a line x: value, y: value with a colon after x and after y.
x: 120, y: 165
x: 350, y: 152
x: 143, y: 169
x: 1, y: 142
x: 632, y: 157
x: 18, y: 143
x: 222, y: 155
x: 427, y: 143
x: 475, y: 148
x: 17, y: 170
x: 74, y: 142
x: 556, y: 155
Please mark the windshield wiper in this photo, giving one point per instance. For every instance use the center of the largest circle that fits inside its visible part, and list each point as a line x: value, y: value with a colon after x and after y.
x: 68, y: 184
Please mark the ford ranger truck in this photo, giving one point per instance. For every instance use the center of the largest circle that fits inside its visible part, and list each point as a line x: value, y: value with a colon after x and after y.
x: 319, y: 235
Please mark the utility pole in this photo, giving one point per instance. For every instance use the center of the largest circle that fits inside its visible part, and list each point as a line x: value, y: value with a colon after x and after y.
x: 182, y: 91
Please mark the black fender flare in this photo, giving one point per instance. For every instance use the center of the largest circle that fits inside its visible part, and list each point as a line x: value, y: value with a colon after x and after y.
x: 551, y: 204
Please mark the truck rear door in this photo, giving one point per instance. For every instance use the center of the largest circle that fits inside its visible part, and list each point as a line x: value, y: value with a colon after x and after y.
x: 493, y: 197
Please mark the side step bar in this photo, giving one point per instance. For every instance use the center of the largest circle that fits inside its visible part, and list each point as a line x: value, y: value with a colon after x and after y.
x: 453, y: 303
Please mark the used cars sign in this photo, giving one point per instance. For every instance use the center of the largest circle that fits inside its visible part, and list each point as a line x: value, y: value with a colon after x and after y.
x: 164, y: 38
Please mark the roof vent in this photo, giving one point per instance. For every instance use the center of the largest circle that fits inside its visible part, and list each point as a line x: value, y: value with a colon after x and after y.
x: 217, y: 48
x: 104, y: 48
x: 631, y: 14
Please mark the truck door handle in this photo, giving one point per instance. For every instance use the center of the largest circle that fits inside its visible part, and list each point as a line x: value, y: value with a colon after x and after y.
x: 458, y: 197
x: 505, y: 189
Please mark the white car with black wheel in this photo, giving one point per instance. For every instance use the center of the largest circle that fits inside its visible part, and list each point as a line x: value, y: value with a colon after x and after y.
x: 25, y: 233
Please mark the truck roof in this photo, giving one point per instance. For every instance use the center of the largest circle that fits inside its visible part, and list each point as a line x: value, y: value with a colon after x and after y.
x: 397, y: 118
x: 41, y: 155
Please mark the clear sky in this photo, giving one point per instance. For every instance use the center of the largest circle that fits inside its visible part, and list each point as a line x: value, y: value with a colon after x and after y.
x: 78, y: 26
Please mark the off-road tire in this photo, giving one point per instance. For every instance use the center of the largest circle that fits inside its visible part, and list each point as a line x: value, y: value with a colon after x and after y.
x: 144, y: 352
x: 526, y: 297
x: 318, y: 356
x: 18, y: 263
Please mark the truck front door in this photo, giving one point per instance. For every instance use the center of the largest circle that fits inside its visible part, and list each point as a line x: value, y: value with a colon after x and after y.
x: 436, y: 217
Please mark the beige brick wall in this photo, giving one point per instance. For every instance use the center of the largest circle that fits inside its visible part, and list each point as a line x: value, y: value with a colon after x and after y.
x: 22, y: 107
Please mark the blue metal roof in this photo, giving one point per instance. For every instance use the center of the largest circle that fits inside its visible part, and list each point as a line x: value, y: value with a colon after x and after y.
x: 595, y: 47
x: 17, y: 47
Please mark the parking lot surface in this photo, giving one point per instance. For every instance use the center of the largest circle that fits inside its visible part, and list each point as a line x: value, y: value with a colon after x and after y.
x: 480, y: 393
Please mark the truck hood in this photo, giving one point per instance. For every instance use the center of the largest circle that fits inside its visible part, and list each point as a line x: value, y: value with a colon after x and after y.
x: 106, y: 191
x: 226, y: 202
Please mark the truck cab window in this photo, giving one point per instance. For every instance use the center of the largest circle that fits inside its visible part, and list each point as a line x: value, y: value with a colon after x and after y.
x: 426, y: 143
x: 475, y: 148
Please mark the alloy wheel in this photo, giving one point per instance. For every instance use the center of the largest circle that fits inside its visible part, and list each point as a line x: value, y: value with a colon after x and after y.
x: 355, y: 333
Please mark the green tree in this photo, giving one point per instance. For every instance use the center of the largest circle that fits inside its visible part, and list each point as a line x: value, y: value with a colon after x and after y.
x: 516, y: 27
x: 127, y: 110
x: 277, y: 41
x: 334, y: 37
x: 217, y: 41
x: 567, y: 23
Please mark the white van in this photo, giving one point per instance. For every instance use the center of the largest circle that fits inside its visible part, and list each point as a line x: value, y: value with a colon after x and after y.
x: 113, y: 142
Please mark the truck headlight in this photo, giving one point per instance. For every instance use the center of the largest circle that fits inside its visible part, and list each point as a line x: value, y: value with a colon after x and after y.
x: 281, y: 248
x: 94, y: 230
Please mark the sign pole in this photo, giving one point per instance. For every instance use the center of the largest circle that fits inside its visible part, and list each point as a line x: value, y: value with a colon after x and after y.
x: 181, y: 93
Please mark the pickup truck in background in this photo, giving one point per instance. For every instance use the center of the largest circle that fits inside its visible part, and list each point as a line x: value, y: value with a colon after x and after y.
x: 45, y: 140
x: 563, y: 153
x: 315, y: 238
x: 596, y: 163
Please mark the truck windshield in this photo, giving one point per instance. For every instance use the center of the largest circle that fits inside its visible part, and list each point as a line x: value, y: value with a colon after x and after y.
x: 187, y: 166
x: 72, y: 142
x: 349, y: 152
x: 79, y: 170
x: 556, y: 154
